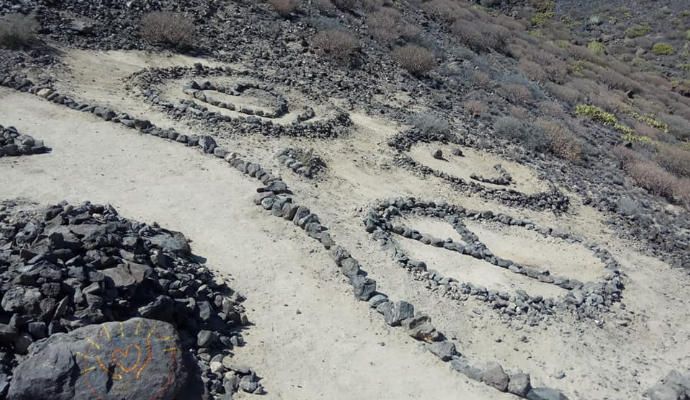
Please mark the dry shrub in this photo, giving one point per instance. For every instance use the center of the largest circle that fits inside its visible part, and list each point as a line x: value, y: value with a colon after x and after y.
x: 18, y: 31
x: 430, y: 123
x: 480, y: 36
x: 475, y: 108
x: 481, y: 79
x: 447, y: 10
x: 650, y: 176
x: 516, y: 93
x: 336, y: 43
x: 415, y: 59
x: 325, y: 7
x: 677, y: 126
x: 384, y: 24
x: 345, y: 5
x: 552, y: 109
x: 284, y: 7
x: 562, y: 140
x: 564, y: 93
x: 533, y: 70
x: 168, y: 28
x: 518, y: 112
x: 673, y: 159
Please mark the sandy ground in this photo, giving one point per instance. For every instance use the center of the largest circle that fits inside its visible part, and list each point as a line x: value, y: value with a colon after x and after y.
x: 300, y: 307
x: 335, y: 347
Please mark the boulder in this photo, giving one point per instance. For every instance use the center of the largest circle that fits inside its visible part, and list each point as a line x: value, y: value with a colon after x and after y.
x: 520, y: 384
x: 544, y: 393
x: 494, y: 376
x: 131, y: 360
x: 444, y: 350
x: 396, y: 312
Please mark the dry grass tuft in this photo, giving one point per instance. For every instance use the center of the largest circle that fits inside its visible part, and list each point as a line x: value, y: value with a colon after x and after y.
x: 415, y: 59
x: 171, y: 29
x: 335, y: 43
x: 18, y: 31
x: 562, y: 140
x: 284, y: 7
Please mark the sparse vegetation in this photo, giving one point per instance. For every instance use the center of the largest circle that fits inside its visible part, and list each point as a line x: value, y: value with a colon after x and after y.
x: 414, y: 59
x: 561, y: 140
x: 430, y: 123
x: 284, y: 7
x: 385, y: 24
x: 480, y: 37
x: 18, y: 31
x: 336, y: 43
x: 596, y: 48
x: 637, y: 31
x: 167, y: 28
x: 662, y: 49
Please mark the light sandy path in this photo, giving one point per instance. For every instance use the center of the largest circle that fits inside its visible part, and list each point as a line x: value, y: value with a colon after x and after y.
x: 311, y: 339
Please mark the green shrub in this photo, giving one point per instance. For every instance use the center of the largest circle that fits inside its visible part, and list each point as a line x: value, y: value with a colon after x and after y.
x: 596, y: 47
x: 18, y: 31
x: 637, y: 31
x: 596, y: 114
x: 662, y: 49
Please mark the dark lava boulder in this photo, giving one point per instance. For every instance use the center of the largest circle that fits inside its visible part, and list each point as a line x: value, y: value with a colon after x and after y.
x: 132, y: 360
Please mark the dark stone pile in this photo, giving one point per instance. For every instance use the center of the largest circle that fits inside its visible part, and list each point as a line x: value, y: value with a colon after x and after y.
x: 589, y: 299
x: 302, y: 162
x: 67, y: 267
x: 552, y: 200
x: 13, y: 143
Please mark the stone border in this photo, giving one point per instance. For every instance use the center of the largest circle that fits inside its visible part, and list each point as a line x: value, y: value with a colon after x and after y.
x: 403, y: 142
x: 589, y: 299
x: 274, y: 197
x: 15, y: 144
x: 148, y: 79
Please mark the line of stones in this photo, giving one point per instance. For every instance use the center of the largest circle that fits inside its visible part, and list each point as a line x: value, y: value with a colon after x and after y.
x: 274, y: 197
x: 589, y: 299
x: 332, y: 127
x: 503, y: 178
x: 13, y: 143
x: 403, y: 142
x: 197, y: 90
x: 301, y: 162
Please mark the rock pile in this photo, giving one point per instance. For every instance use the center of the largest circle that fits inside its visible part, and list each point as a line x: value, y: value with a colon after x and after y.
x: 589, y: 299
x: 302, y: 162
x: 12, y: 143
x: 67, y: 268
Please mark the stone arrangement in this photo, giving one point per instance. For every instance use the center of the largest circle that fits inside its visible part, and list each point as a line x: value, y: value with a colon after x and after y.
x: 149, y: 79
x: 503, y: 178
x: 302, y: 162
x: 552, y: 200
x: 102, y: 287
x: 275, y: 198
x: 674, y: 386
x: 196, y: 90
x: 589, y: 299
x: 13, y: 143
